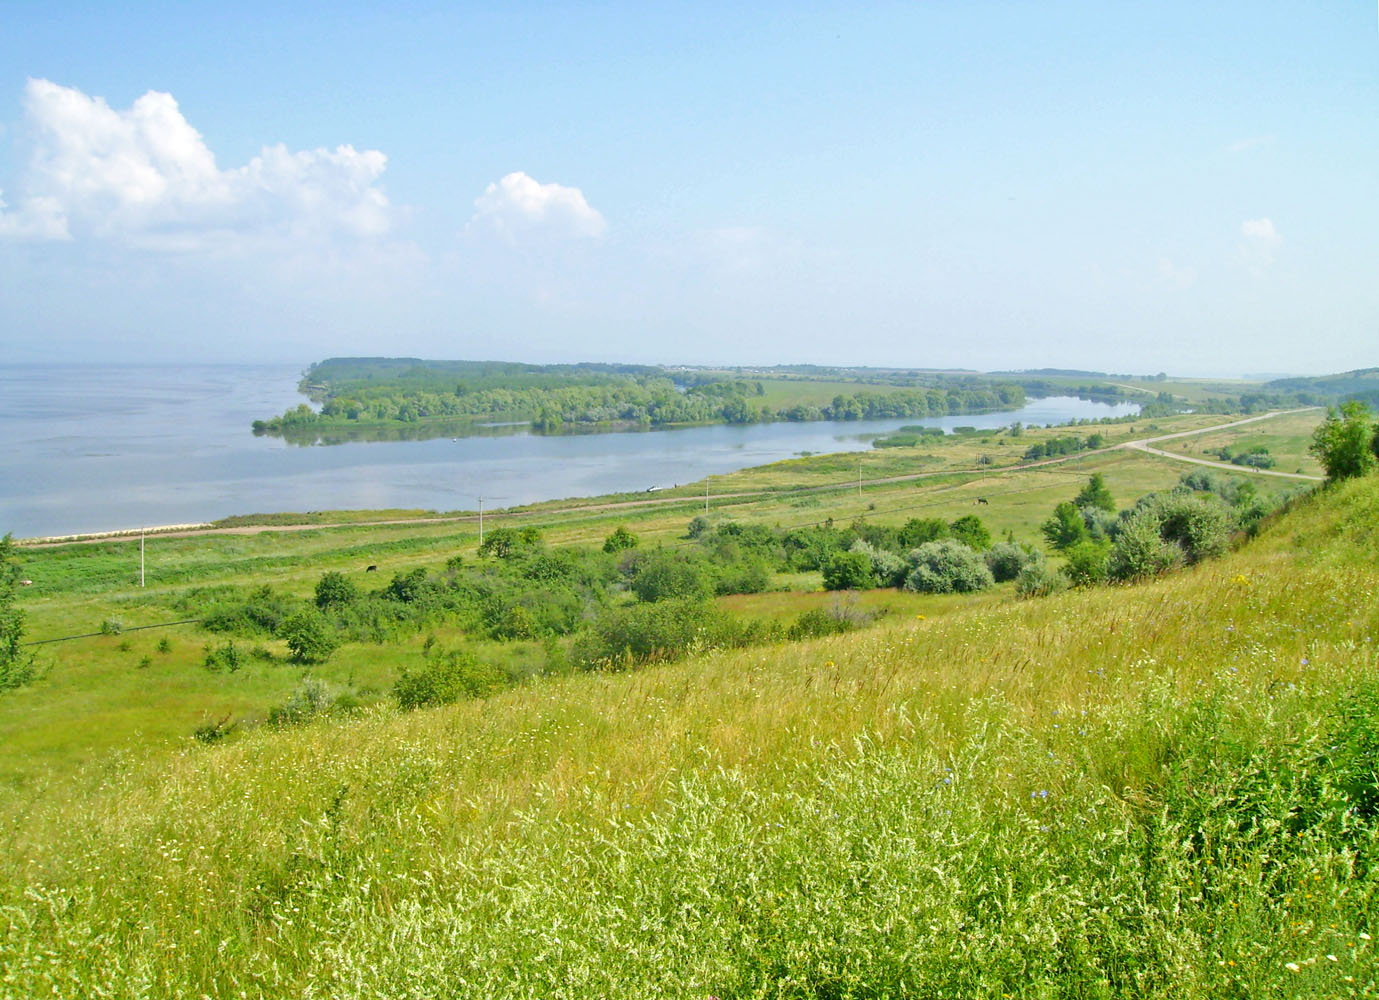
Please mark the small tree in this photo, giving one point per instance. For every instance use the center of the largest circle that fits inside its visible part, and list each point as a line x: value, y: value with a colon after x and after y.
x: 849, y: 571
x: 335, y: 590
x: 1066, y: 527
x: 1096, y: 494
x: 309, y: 636
x: 620, y: 540
x: 969, y: 530
x: 1088, y: 562
x: 1345, y: 442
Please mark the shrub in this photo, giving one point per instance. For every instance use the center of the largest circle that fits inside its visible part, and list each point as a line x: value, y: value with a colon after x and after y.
x: 1039, y: 579
x: 213, y: 730
x: 747, y: 576
x: 446, y: 679
x: 838, y: 617
x: 1140, y: 549
x: 969, y: 530
x: 888, y: 569
x: 619, y: 541
x: 226, y: 657
x: 1088, y: 562
x: 334, y: 590
x: 1007, y: 559
x: 848, y: 571
x: 310, y: 698
x: 918, y: 530
x: 261, y: 613
x: 504, y: 543
x: 309, y: 636
x: 663, y: 574
x: 111, y: 626
x: 664, y: 631
x: 946, y: 567
x: 1345, y: 441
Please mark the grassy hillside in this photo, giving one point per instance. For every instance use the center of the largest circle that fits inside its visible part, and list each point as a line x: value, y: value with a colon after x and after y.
x: 1163, y: 791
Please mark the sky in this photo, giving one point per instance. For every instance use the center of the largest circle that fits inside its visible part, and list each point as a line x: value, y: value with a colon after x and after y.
x: 1181, y: 187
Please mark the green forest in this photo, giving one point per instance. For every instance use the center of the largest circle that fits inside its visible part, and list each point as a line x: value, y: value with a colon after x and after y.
x: 392, y: 392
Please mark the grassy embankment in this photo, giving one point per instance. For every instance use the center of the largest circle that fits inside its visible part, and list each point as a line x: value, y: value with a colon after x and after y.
x: 1165, y: 791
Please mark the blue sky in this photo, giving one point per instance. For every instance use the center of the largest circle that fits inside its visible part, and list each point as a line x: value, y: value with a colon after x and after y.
x: 1126, y: 187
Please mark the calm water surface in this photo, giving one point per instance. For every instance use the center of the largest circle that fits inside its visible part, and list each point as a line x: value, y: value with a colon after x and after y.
x: 98, y: 448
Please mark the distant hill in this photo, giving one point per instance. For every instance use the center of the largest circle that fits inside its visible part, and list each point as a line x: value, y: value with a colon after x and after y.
x: 1073, y: 372
x: 1361, y: 384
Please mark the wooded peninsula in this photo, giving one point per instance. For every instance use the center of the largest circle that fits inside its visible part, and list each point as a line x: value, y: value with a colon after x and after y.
x: 411, y: 398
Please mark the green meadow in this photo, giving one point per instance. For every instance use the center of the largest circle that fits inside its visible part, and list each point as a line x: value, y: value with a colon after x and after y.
x: 1160, y: 789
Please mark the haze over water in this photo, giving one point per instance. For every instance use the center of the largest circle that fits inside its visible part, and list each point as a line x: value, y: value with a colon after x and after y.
x: 97, y: 448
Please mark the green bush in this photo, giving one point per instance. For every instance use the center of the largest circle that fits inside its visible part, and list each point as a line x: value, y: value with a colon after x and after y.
x: 309, y: 635
x: 835, y: 619
x: 218, y: 658
x: 888, y: 569
x: 969, y: 530
x: 1007, y: 559
x: 1140, y: 550
x: 849, y: 571
x: 946, y: 567
x: 447, y: 679
x: 1166, y: 530
x: 334, y: 590
x: 1089, y: 562
x: 1039, y: 579
x: 1066, y: 528
x: 1345, y: 442
x: 619, y: 541
x: 666, y: 574
x: 663, y: 631
x: 310, y: 699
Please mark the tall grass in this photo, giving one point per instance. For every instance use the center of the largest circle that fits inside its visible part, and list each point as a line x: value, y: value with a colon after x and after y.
x: 1155, y: 791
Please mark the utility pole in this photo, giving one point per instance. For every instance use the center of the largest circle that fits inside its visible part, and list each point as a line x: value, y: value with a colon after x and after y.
x: 141, y: 555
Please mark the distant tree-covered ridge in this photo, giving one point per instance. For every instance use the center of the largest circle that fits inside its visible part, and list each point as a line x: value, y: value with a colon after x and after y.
x: 387, y: 392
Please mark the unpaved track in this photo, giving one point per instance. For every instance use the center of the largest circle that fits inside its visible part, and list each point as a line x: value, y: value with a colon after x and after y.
x: 978, y: 474
x: 1144, y: 445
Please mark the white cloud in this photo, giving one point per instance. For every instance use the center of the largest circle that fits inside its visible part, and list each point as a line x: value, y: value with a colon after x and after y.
x: 1261, y: 241
x: 518, y: 206
x: 145, y: 176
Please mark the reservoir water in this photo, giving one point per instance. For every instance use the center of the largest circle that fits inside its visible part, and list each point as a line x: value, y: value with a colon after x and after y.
x: 97, y: 448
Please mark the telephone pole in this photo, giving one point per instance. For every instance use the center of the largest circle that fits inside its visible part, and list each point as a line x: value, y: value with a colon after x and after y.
x: 141, y: 555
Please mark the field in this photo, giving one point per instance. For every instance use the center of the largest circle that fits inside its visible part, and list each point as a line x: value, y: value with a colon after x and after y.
x: 1164, y: 790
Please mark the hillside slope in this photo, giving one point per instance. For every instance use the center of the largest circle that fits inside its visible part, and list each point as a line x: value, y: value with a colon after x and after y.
x: 1166, y: 790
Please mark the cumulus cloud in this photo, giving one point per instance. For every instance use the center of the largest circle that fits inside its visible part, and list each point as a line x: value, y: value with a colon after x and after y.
x: 519, y: 206
x: 145, y: 176
x: 1261, y: 240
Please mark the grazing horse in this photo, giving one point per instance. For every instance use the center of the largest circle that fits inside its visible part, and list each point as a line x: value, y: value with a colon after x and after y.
x: 981, y: 500
x: 371, y: 569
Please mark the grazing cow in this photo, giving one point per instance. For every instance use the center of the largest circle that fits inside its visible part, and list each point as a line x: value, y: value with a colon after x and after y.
x: 981, y: 500
x: 26, y: 583
x: 371, y: 569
